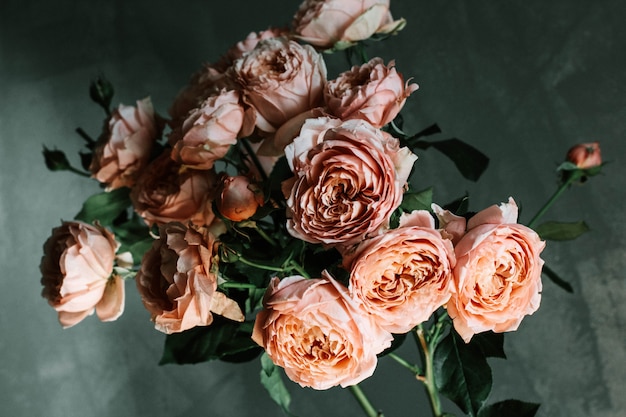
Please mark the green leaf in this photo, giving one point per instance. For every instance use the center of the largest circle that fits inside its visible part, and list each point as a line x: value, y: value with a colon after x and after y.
x: 554, y: 277
x: 105, y: 207
x: 492, y: 344
x: 470, y: 162
x: 134, y: 237
x: 272, y: 381
x: 462, y: 373
x: 561, y: 230
x: 420, y: 200
x: 509, y: 408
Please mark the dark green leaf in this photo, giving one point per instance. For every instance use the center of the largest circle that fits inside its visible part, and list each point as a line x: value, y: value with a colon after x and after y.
x: 492, y: 344
x: 55, y: 160
x: 470, y: 162
x: 105, y: 207
x: 561, y: 230
x: 272, y: 381
x: 458, y: 206
x: 462, y: 373
x: 554, y: 277
x: 509, y: 408
x: 420, y: 200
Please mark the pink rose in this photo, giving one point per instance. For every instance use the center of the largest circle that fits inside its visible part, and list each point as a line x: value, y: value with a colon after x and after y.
x: 178, y: 283
x: 585, y: 155
x: 124, y: 150
x: 374, y: 92
x: 77, y: 273
x: 167, y: 192
x: 341, y: 23
x: 497, y: 274
x: 209, y: 131
x: 347, y: 183
x: 280, y: 79
x: 402, y: 276
x: 241, y: 48
x: 312, y: 329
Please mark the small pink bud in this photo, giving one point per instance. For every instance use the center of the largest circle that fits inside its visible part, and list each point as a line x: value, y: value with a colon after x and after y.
x: 238, y: 198
x: 585, y: 155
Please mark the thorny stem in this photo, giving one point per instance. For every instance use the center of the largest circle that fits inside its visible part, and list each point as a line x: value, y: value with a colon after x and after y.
x: 364, y: 402
x: 429, y: 377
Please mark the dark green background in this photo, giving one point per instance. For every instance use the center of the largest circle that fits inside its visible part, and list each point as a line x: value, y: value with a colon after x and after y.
x: 521, y: 80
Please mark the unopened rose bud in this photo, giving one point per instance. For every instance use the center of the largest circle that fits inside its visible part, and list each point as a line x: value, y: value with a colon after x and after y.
x: 101, y: 91
x: 55, y: 160
x: 238, y: 198
x: 585, y: 155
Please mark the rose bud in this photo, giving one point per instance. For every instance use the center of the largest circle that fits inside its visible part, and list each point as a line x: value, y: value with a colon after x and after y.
x: 585, y: 155
x: 238, y: 198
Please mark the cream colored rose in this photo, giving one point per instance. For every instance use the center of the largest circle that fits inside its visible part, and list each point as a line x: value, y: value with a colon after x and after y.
x: 178, y: 283
x: 347, y: 183
x: 280, y: 79
x: 341, y: 23
x: 167, y: 192
x: 498, y: 273
x: 77, y: 273
x: 402, y: 276
x: 312, y: 329
x: 374, y: 92
x: 209, y: 131
x: 124, y: 149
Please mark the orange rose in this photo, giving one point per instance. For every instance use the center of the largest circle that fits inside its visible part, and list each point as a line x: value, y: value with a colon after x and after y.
x: 498, y: 273
x: 347, y: 182
x: 402, y: 276
x: 280, y: 79
x: 312, y: 329
x: 341, y: 23
x: 238, y: 198
x: 585, y: 155
x: 166, y: 192
x: 178, y: 283
x: 77, y: 273
x: 125, y: 149
x: 374, y: 92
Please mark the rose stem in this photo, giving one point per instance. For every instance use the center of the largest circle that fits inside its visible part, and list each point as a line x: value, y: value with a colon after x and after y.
x: 413, y: 368
x: 576, y: 175
x: 429, y: 378
x: 254, y: 158
x: 364, y: 402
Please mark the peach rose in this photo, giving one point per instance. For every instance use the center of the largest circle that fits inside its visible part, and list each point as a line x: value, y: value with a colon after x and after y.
x: 124, y: 150
x: 77, y: 273
x: 402, y: 276
x: 280, y: 79
x: 312, y: 329
x: 341, y: 23
x: 585, y: 155
x: 178, y: 283
x: 241, y: 48
x: 374, y: 92
x: 347, y: 182
x: 237, y: 197
x: 497, y: 274
x: 167, y: 192
x: 209, y: 131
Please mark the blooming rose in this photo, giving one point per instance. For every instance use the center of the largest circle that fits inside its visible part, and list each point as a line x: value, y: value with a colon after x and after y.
x: 208, y: 131
x: 312, y: 329
x: 373, y: 91
x: 280, y: 79
x: 237, y: 198
x: 585, y: 155
x: 340, y: 23
x: 402, y: 276
x: 166, y: 192
x: 77, y: 269
x: 498, y: 273
x: 241, y: 48
x: 124, y: 149
x: 347, y: 183
x: 178, y: 283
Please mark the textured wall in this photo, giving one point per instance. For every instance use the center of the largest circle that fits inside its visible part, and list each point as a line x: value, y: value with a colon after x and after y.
x: 521, y: 80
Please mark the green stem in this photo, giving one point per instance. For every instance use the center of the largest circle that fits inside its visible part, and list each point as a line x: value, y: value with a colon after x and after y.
x: 239, y: 285
x: 260, y: 266
x: 576, y: 175
x: 364, y: 402
x: 413, y: 368
x: 298, y: 268
x: 78, y: 171
x: 265, y: 236
x: 429, y: 377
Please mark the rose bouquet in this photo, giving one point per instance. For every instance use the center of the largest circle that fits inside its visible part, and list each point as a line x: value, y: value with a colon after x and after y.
x: 272, y: 213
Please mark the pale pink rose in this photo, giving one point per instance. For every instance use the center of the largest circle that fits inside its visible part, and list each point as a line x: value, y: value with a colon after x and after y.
x: 312, y: 329
x: 585, y: 155
x: 280, y: 79
x: 404, y: 275
x: 237, y: 197
x: 209, y: 131
x: 77, y: 273
x: 498, y: 273
x: 374, y: 92
x: 347, y: 183
x: 241, y: 48
x: 341, y: 23
x: 167, y: 192
x: 178, y: 283
x: 124, y: 148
